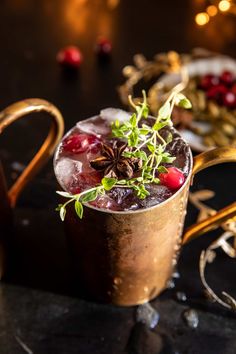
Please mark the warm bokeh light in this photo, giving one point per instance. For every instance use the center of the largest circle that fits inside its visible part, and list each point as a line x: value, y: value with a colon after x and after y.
x: 202, y: 18
x: 224, y: 5
x: 211, y: 10
x: 112, y: 4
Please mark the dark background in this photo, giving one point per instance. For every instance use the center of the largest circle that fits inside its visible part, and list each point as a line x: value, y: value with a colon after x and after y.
x: 31, y: 34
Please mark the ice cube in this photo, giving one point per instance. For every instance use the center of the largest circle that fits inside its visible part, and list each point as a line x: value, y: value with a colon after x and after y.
x: 120, y: 194
x: 113, y: 114
x: 94, y: 125
x: 65, y: 169
x: 105, y: 202
x: 158, y: 194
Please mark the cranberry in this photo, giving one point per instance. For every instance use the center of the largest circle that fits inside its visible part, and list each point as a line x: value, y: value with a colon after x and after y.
x: 216, y: 93
x: 229, y: 99
x: 208, y: 81
x: 78, y: 143
x: 173, y: 179
x: 103, y: 47
x: 70, y: 57
x: 227, y: 78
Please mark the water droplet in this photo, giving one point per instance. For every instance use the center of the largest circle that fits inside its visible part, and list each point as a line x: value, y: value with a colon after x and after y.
x: 181, y: 296
x: 148, y: 315
x: 176, y: 275
x: 170, y: 284
x: 17, y: 166
x: 117, y: 281
x: 191, y: 318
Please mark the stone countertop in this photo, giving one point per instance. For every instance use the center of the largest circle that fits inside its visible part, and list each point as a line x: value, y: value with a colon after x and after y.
x: 34, y: 321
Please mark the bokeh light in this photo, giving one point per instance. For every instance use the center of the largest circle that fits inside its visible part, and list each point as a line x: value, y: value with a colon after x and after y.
x: 212, y: 10
x: 202, y: 18
x: 224, y: 5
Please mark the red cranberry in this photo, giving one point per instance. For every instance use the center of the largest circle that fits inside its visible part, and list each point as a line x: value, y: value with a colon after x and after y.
x: 78, y: 143
x: 229, y: 99
x: 227, y: 78
x: 173, y: 179
x: 208, y: 81
x: 103, y: 47
x: 70, y: 57
x: 216, y: 93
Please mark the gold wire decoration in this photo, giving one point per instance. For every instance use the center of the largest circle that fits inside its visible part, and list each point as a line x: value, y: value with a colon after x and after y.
x: 209, y: 255
x: 149, y: 70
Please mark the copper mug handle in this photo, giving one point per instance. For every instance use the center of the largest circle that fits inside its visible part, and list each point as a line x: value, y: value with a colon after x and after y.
x: 202, y: 161
x: 17, y: 111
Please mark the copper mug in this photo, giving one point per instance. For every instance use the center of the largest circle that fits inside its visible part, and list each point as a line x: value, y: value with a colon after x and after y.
x: 127, y: 258
x: 8, y: 199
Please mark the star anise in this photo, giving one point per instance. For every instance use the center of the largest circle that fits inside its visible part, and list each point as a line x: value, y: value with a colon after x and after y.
x: 114, y: 164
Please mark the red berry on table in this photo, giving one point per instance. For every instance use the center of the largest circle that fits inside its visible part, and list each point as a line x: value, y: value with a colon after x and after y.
x: 209, y: 80
x: 103, y: 47
x: 173, y: 178
x: 70, y: 57
x: 229, y: 99
x: 79, y: 143
x: 227, y: 78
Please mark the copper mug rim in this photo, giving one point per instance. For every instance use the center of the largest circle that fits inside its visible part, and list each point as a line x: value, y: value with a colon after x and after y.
x: 142, y: 210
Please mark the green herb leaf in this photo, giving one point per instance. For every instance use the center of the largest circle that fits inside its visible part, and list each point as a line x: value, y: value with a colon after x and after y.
x: 185, y: 103
x: 108, y: 183
x: 90, y: 196
x: 144, y: 132
x: 162, y: 169
x: 117, y: 123
x: 156, y: 180
x: 165, y: 110
x: 151, y: 147
x: 79, y: 209
x: 133, y: 120
x: 158, y: 125
x: 62, y: 212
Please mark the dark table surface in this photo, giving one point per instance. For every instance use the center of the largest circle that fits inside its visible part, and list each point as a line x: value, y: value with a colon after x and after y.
x: 40, y: 309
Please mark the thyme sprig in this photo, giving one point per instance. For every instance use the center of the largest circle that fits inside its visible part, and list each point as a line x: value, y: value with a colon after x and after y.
x: 145, y: 142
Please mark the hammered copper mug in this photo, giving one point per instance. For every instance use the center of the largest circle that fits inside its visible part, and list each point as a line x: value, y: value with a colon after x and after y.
x: 8, y: 198
x: 127, y: 258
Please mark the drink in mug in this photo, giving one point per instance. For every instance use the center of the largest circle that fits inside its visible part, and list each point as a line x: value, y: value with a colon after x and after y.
x: 76, y: 169
x: 132, y: 174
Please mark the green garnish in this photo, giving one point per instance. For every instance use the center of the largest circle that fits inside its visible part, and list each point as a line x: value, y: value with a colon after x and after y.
x: 137, y: 138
